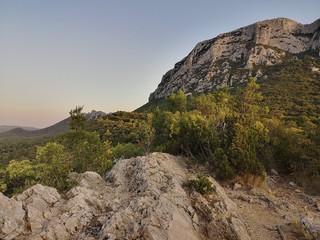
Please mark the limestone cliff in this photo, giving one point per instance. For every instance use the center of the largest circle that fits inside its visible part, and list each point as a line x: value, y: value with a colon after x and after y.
x: 212, y: 62
x: 149, y: 198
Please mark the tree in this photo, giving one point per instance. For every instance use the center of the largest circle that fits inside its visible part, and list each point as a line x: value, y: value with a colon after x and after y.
x: 17, y: 176
x: 248, y: 134
x: 204, y: 103
x: 165, y: 125
x: 86, y: 151
x: 248, y: 103
x: 177, y: 102
x: 53, y: 165
x: 78, y: 119
x: 147, y: 133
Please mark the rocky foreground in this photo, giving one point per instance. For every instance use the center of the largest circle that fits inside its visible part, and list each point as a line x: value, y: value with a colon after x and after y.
x: 148, y: 198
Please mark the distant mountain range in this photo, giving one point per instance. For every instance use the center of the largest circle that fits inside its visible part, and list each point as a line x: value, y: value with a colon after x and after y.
x: 26, y: 132
x: 5, y: 128
x: 51, y: 131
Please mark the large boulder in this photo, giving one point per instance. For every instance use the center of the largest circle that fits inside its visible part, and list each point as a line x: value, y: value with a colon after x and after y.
x: 140, y: 198
x: 12, y: 217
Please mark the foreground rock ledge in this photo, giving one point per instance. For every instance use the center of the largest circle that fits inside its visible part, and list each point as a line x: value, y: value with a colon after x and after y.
x: 140, y: 198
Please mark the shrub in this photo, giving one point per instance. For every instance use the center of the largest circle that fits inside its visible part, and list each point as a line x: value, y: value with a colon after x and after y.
x: 53, y: 166
x: 86, y: 151
x: 17, y: 176
x: 201, y: 184
x: 127, y: 150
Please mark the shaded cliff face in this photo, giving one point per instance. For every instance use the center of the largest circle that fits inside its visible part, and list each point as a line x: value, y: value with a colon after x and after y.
x: 229, y: 58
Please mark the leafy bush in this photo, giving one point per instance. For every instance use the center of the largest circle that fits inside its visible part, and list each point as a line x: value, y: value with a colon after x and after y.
x: 127, y: 150
x: 177, y: 102
x: 201, y: 184
x: 17, y: 176
x: 77, y: 150
x: 228, y: 134
x: 53, y: 166
x: 120, y: 127
x: 86, y: 151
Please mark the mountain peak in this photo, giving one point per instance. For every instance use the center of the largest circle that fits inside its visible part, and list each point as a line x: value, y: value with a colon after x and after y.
x: 212, y: 62
x: 282, y: 20
x: 93, y: 115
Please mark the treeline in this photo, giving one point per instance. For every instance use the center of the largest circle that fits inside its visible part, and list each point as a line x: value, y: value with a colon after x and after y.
x: 292, y: 88
x: 75, y: 151
x: 238, y: 135
x: 86, y: 147
x: 18, y: 149
x: 235, y: 134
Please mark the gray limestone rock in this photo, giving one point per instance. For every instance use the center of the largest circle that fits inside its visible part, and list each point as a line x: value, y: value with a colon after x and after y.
x: 142, y: 198
x: 208, y: 65
x: 12, y: 218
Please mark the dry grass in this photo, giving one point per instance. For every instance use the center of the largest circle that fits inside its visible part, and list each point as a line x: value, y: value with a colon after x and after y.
x: 252, y: 181
x: 305, y: 233
x: 310, y: 184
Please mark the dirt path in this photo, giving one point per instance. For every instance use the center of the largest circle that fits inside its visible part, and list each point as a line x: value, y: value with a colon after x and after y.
x: 277, y: 212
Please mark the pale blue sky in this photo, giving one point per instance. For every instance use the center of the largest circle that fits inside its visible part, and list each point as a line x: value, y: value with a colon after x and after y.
x: 108, y: 55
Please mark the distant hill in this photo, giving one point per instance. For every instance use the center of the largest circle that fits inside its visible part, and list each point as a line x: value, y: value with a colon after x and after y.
x: 20, y: 132
x: 5, y: 128
x: 13, y: 132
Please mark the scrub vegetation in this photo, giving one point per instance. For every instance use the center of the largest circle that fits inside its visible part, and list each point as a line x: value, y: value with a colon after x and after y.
x: 241, y: 132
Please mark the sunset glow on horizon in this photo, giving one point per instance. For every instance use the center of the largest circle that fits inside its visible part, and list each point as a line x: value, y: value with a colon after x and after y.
x: 108, y: 55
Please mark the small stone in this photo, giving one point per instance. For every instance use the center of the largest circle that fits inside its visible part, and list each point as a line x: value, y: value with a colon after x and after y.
x: 309, y: 200
x: 292, y: 184
x: 318, y: 206
x: 308, y: 225
x: 236, y: 186
x: 273, y: 180
x: 289, y: 206
x: 274, y: 172
x: 243, y: 198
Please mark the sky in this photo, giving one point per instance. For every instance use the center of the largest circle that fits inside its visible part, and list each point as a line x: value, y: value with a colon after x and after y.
x: 108, y: 55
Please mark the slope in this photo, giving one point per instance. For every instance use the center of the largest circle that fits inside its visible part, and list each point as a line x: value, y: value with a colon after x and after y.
x: 230, y: 58
x: 150, y: 198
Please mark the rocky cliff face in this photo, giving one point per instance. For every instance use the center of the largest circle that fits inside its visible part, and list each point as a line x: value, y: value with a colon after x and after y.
x: 213, y: 63
x: 148, y: 198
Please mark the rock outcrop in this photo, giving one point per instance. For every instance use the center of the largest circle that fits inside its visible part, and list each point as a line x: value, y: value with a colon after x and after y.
x: 144, y: 198
x: 94, y: 115
x: 212, y: 63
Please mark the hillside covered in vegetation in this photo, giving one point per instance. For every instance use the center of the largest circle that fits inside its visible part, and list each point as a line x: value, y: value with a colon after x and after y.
x: 249, y: 107
x: 235, y: 132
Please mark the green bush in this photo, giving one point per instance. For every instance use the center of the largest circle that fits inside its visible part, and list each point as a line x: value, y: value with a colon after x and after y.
x: 127, y: 150
x: 226, y: 131
x: 201, y: 184
x: 17, y: 176
x: 86, y: 151
x: 53, y: 166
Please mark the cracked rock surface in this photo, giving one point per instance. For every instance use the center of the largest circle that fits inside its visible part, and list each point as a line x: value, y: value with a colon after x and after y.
x: 145, y: 198
x: 212, y: 63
